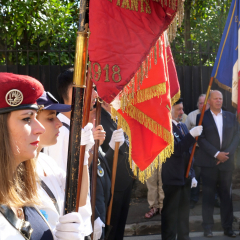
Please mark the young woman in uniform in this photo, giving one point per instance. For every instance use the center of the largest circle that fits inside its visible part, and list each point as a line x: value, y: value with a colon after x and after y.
x: 52, y: 177
x: 20, y: 132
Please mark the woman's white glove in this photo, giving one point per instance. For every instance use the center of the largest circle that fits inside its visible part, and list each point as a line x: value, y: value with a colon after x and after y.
x: 70, y: 226
x: 87, y: 140
x: 98, y: 225
x: 196, y: 131
x: 117, y: 136
x: 194, y: 182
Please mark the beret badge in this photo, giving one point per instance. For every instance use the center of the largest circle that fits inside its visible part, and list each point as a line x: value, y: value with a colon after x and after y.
x: 14, y: 97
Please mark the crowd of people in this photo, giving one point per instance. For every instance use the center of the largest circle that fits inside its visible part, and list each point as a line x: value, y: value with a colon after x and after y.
x: 35, y: 131
x: 218, y: 138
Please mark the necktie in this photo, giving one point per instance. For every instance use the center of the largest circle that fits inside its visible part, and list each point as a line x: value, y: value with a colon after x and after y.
x: 180, y: 128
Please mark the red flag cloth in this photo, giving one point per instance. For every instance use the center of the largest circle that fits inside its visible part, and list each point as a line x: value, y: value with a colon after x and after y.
x: 146, y: 117
x: 173, y: 78
x: 122, y: 34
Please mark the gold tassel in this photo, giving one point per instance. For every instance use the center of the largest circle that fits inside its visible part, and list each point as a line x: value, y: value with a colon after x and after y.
x: 155, y: 54
x: 175, y: 97
x: 143, y: 95
x: 161, y: 158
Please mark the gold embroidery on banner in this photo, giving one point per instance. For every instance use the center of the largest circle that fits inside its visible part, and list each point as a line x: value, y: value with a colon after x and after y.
x: 107, y: 73
x: 116, y: 73
x: 134, y: 5
x: 125, y: 4
x: 98, y: 72
x: 148, y: 8
x: 118, y: 2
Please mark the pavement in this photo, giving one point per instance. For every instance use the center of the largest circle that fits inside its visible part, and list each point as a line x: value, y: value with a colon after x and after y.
x: 193, y: 236
x: 137, y: 225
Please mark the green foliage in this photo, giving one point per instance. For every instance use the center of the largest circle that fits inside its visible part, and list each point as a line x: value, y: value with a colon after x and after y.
x: 42, y: 25
x: 207, y: 21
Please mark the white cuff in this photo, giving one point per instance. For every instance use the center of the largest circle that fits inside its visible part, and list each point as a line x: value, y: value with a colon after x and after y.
x: 216, y: 154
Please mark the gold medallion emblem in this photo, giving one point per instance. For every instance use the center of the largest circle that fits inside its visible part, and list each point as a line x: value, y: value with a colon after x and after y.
x: 14, y: 97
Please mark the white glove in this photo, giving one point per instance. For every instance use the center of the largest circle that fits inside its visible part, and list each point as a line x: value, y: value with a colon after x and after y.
x: 98, y: 225
x: 196, y: 131
x: 70, y: 226
x: 87, y: 139
x: 117, y: 136
x: 194, y: 182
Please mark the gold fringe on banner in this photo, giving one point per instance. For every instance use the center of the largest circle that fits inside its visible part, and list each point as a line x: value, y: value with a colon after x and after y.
x: 175, y: 97
x: 149, y: 123
x: 142, y: 95
x: 163, y: 155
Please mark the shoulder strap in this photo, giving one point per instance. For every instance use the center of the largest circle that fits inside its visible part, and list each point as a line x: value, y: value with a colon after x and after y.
x: 23, y: 227
x: 66, y: 125
x: 50, y: 194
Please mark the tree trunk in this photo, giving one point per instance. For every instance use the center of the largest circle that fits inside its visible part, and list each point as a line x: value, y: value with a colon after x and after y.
x: 187, y: 27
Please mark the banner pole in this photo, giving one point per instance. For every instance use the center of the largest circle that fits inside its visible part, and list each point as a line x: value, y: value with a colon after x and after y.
x: 200, y: 123
x: 79, y: 84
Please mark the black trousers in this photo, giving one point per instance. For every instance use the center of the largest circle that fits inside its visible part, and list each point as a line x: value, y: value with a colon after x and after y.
x: 175, y: 212
x: 120, y: 208
x: 212, y: 178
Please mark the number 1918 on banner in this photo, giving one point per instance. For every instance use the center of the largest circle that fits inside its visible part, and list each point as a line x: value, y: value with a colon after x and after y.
x: 97, y: 71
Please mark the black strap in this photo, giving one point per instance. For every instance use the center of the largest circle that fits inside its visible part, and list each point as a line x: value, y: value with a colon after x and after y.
x: 66, y: 125
x: 22, y: 226
x: 50, y: 194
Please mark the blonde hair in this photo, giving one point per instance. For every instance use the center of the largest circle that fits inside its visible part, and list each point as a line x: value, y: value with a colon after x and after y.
x: 18, y: 187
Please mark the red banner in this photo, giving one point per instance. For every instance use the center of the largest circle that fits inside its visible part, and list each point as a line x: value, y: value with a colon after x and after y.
x: 146, y: 117
x: 122, y: 34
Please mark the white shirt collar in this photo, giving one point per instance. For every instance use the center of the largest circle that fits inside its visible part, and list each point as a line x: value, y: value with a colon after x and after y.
x: 214, y: 113
x: 63, y: 118
x: 175, y: 122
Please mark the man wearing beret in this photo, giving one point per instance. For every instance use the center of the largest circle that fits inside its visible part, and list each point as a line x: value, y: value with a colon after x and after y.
x: 175, y: 212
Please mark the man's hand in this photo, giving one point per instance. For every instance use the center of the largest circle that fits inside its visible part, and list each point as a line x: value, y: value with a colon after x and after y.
x: 222, y: 157
x: 117, y: 136
x: 99, y: 133
x: 196, y: 131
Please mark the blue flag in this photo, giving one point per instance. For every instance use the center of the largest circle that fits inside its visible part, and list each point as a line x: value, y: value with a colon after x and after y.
x: 226, y: 67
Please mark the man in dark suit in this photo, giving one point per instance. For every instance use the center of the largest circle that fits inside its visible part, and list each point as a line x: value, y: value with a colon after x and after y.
x: 175, y: 212
x: 217, y: 145
x: 124, y: 177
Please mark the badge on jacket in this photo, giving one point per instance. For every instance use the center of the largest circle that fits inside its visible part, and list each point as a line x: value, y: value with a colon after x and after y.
x: 100, y: 171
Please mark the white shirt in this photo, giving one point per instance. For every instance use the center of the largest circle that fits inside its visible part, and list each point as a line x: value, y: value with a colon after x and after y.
x: 59, y: 151
x: 55, y: 180
x: 219, y: 123
x: 191, y: 119
x: 175, y: 122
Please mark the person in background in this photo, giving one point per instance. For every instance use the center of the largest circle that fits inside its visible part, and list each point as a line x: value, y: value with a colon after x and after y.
x: 176, y: 187
x: 124, y: 176
x: 217, y: 145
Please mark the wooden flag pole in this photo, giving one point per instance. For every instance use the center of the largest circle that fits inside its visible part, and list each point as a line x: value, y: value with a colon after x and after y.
x: 200, y: 123
x: 114, y: 171
x: 79, y: 84
x: 94, y: 166
x: 86, y: 111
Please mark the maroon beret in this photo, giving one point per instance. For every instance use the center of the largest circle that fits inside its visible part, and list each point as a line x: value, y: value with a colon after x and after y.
x: 18, y: 92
